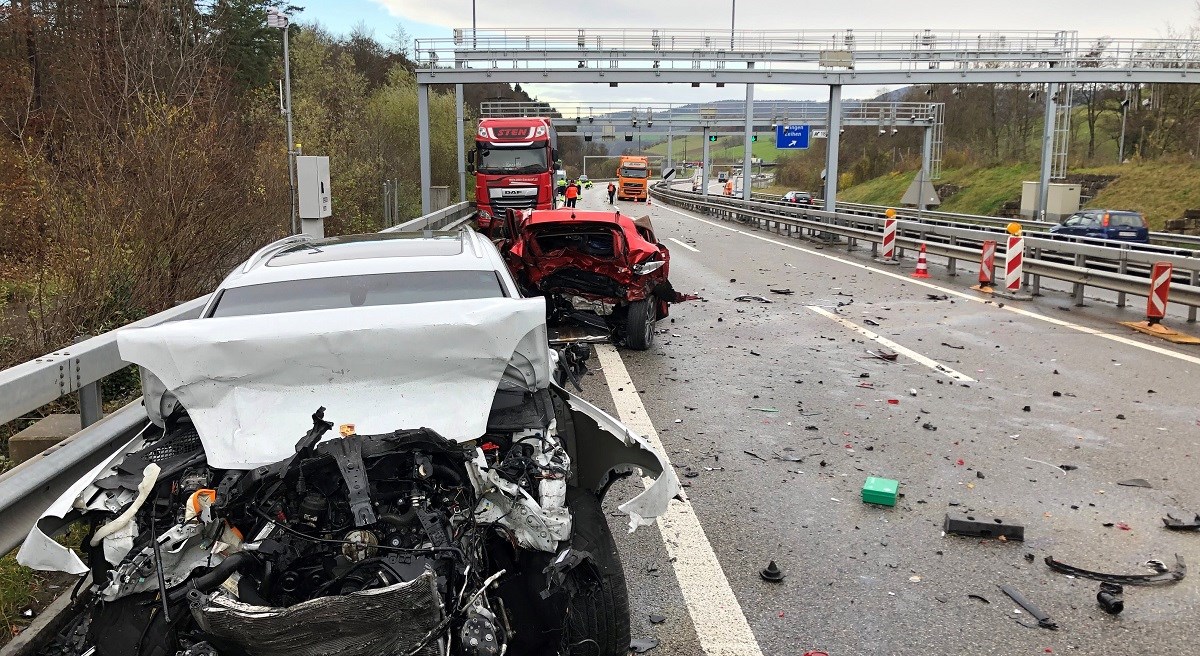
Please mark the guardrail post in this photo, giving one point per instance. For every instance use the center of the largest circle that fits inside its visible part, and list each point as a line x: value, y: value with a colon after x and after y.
x: 1122, y: 267
x: 1037, y: 279
x: 91, y: 404
x: 1195, y: 282
x: 1077, y: 291
x: 952, y: 263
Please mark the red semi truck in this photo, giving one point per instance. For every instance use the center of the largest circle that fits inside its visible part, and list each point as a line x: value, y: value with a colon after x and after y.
x: 513, y: 162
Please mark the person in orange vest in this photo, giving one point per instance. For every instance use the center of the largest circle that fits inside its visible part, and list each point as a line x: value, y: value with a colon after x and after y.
x: 572, y: 194
x: 612, y: 192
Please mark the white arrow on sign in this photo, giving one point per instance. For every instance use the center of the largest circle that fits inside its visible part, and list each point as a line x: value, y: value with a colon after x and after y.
x: 792, y: 143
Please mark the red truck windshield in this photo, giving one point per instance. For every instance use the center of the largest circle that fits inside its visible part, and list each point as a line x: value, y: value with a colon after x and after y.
x: 513, y: 160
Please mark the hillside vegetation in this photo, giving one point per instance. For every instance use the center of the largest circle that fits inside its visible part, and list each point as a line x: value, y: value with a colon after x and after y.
x: 1161, y: 190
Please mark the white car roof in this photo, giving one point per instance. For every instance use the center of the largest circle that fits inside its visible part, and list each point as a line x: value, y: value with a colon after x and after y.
x: 300, y: 259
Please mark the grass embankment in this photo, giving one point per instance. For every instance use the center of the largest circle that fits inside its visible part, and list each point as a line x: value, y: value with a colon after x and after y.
x: 1160, y: 190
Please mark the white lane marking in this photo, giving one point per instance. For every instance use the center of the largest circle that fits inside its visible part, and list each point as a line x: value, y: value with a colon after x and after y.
x: 947, y: 290
x: 690, y: 248
x: 928, y: 362
x: 721, y: 625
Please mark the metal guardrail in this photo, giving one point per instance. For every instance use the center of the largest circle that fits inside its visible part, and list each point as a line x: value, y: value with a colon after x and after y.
x: 1165, y: 240
x: 956, y: 242
x: 28, y: 489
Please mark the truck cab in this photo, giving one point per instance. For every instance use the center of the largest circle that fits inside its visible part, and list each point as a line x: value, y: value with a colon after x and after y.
x: 633, y: 178
x: 513, y: 162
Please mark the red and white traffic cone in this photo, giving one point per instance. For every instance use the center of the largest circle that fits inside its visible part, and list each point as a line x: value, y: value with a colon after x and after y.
x: 922, y: 265
x: 648, y: 203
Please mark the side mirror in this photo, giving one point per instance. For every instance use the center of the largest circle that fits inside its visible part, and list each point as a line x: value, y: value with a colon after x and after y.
x: 471, y: 168
x: 471, y: 156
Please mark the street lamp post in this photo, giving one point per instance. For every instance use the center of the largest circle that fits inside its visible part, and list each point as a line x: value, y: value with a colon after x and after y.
x: 279, y: 20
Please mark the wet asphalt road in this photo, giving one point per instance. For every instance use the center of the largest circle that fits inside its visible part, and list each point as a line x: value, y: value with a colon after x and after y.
x: 781, y: 381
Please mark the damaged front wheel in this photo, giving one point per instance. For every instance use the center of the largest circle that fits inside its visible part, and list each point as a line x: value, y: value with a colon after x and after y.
x: 597, y: 622
x: 639, y: 324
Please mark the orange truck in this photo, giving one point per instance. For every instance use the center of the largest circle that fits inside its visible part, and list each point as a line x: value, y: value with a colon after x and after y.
x: 633, y: 177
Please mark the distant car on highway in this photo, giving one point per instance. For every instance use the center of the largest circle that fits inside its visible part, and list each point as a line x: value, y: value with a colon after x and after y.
x: 799, y: 197
x: 1120, y: 225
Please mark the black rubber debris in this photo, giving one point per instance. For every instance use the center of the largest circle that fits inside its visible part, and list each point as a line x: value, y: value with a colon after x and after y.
x: 772, y: 573
x: 642, y: 645
x: 1136, y: 482
x: 1163, y: 575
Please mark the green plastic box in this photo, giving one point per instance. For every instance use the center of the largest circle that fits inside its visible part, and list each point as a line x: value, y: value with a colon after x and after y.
x: 881, y: 491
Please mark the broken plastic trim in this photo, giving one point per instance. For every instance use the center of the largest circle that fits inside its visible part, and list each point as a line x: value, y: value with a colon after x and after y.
x: 1163, y: 576
x: 1175, y: 524
x: 1038, y: 614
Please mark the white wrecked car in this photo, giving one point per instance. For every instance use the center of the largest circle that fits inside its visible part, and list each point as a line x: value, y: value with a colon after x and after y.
x: 357, y: 450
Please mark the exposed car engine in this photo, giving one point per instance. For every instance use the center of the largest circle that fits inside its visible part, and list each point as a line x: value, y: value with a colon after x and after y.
x: 399, y: 543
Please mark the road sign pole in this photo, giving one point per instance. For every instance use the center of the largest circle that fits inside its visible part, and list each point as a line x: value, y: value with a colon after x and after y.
x: 704, y: 164
x: 748, y: 146
x: 831, y: 146
x: 926, y: 153
x: 462, y: 157
x: 423, y: 144
x: 670, y: 138
x: 1047, y: 153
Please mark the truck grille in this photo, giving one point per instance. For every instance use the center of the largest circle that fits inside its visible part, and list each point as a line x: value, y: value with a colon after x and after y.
x: 633, y: 187
x: 515, y: 203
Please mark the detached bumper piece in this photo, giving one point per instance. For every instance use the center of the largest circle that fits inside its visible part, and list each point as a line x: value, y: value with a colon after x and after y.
x: 1163, y: 575
x: 970, y: 527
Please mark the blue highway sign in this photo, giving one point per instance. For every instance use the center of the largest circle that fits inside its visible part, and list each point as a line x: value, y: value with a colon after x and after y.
x: 791, y: 136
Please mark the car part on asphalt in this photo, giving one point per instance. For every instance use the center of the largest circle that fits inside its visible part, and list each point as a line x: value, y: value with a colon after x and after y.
x: 1162, y: 575
x: 772, y: 573
x: 1175, y: 524
x: 1110, y: 598
x: 968, y: 526
x: 642, y: 645
x: 1038, y: 614
x: 750, y: 298
x: 1135, y: 482
x: 880, y: 491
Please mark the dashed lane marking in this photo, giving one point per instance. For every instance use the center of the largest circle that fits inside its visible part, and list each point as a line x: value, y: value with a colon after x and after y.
x: 947, y: 290
x: 721, y: 625
x: 690, y: 248
x: 907, y: 352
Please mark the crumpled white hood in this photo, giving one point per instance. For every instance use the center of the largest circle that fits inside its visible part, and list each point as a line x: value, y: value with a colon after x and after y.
x: 250, y: 384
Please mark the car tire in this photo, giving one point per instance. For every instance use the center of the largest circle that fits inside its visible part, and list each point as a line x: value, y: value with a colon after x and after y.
x: 639, y: 324
x: 597, y: 621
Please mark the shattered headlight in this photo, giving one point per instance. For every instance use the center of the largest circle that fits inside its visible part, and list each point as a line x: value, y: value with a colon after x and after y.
x: 648, y: 267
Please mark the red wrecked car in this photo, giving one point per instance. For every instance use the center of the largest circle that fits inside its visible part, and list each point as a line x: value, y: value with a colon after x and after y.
x: 604, y: 274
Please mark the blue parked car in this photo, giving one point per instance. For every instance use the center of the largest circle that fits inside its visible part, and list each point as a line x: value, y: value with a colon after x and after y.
x: 1122, y: 225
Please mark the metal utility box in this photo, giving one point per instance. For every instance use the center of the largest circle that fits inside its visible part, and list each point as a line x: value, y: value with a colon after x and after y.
x: 1063, y: 201
x: 312, y: 184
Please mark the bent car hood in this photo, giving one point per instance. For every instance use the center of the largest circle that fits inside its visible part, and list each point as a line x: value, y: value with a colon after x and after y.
x: 251, y: 383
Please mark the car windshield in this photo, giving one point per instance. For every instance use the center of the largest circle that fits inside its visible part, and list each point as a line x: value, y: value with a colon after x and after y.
x: 634, y: 173
x: 512, y: 160
x: 357, y: 291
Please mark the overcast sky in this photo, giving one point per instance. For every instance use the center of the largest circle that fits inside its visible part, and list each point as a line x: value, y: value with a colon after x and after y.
x: 436, y: 18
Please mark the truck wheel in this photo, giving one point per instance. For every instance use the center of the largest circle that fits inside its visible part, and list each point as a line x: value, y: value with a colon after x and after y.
x: 597, y: 621
x: 639, y: 324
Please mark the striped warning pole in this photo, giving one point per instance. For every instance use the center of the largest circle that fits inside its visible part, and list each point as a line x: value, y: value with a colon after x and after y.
x: 987, y: 265
x: 889, y: 239
x: 1014, y: 257
x: 1160, y: 287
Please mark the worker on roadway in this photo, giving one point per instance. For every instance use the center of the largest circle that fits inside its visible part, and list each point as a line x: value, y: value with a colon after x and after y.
x: 572, y: 193
x: 612, y: 193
